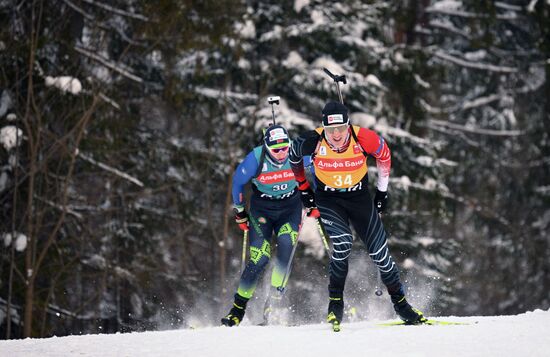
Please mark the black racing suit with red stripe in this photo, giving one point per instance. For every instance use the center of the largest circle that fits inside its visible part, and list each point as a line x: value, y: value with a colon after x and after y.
x: 340, y: 207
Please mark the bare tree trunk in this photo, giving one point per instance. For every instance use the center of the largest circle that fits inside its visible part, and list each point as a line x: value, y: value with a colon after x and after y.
x: 33, y: 147
x: 546, y: 52
x: 29, y: 305
x: 51, y: 291
x: 10, y: 287
x: 33, y: 263
x: 228, y: 197
x: 223, y: 252
x: 13, y: 230
x: 223, y: 248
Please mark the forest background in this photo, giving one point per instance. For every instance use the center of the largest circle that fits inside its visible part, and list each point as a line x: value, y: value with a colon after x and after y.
x: 121, y: 123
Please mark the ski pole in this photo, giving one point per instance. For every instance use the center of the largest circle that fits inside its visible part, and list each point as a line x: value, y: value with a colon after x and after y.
x: 378, y: 290
x: 273, y: 100
x: 243, y: 258
x: 289, y: 264
x: 337, y: 79
x: 323, y: 234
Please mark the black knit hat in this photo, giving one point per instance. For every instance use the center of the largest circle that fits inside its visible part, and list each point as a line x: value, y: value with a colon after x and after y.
x: 276, y: 136
x: 335, y: 113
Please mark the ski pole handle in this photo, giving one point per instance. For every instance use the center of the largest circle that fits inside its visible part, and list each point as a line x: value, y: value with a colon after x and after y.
x: 328, y: 72
x: 337, y: 78
x: 273, y: 100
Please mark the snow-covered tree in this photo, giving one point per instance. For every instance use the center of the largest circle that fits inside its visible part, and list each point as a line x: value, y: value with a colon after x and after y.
x: 488, y: 103
x: 121, y: 124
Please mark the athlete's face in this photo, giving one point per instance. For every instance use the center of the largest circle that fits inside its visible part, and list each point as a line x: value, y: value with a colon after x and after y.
x: 337, y: 134
x: 279, y: 154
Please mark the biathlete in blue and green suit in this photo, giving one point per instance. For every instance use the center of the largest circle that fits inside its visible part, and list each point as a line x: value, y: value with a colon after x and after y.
x: 275, y: 206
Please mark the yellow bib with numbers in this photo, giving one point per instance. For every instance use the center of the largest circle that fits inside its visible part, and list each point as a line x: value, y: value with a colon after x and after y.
x: 340, y: 170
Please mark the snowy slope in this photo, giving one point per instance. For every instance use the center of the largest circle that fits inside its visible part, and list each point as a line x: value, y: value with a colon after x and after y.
x: 521, y: 335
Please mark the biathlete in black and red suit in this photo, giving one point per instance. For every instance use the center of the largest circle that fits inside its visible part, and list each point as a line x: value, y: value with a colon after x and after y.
x: 275, y: 207
x: 339, y: 153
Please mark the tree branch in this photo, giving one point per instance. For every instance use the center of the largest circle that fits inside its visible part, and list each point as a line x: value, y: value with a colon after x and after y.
x: 484, y: 211
x: 474, y: 65
x: 109, y: 100
x: 63, y: 209
x: 100, y: 25
x: 104, y: 61
x: 467, y: 104
x: 117, y: 11
x: 478, y: 131
x: 110, y: 169
x: 469, y: 15
x: 83, y: 124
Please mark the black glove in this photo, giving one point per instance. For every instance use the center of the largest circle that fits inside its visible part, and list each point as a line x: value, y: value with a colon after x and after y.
x: 308, y: 199
x: 380, y: 201
x: 241, y: 217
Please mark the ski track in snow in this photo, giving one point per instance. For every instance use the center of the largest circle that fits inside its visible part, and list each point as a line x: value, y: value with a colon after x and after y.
x: 519, y: 335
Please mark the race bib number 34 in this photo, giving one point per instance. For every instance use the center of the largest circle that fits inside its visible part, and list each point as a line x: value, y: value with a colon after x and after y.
x: 342, y: 180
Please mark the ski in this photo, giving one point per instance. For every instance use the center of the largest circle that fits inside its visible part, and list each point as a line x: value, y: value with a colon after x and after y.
x: 265, y: 324
x: 427, y: 322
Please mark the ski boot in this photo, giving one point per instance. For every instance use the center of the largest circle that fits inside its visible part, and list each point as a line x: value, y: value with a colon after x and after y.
x: 236, y: 313
x: 335, y: 311
x: 406, y: 312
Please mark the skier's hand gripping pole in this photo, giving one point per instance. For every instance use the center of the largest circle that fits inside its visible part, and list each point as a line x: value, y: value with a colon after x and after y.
x: 308, y: 199
x: 241, y: 218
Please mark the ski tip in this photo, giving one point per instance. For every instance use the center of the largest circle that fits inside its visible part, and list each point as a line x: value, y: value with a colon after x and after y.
x: 438, y: 322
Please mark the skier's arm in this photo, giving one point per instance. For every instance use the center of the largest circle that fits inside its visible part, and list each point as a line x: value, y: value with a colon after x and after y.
x: 376, y: 146
x: 302, y: 146
x: 244, y: 173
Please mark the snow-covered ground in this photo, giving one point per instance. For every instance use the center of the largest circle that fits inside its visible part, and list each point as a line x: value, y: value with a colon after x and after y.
x: 521, y: 335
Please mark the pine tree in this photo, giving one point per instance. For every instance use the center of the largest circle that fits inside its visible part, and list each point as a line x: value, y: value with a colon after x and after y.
x: 486, y: 63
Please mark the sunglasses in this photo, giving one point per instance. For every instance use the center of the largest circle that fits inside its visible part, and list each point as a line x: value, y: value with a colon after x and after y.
x: 278, y: 150
x: 340, y: 128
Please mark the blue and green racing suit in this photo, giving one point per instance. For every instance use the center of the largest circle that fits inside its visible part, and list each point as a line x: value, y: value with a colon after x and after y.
x: 275, y: 207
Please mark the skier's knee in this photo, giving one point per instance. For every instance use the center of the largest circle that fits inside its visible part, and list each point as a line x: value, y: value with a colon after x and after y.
x: 260, y: 256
